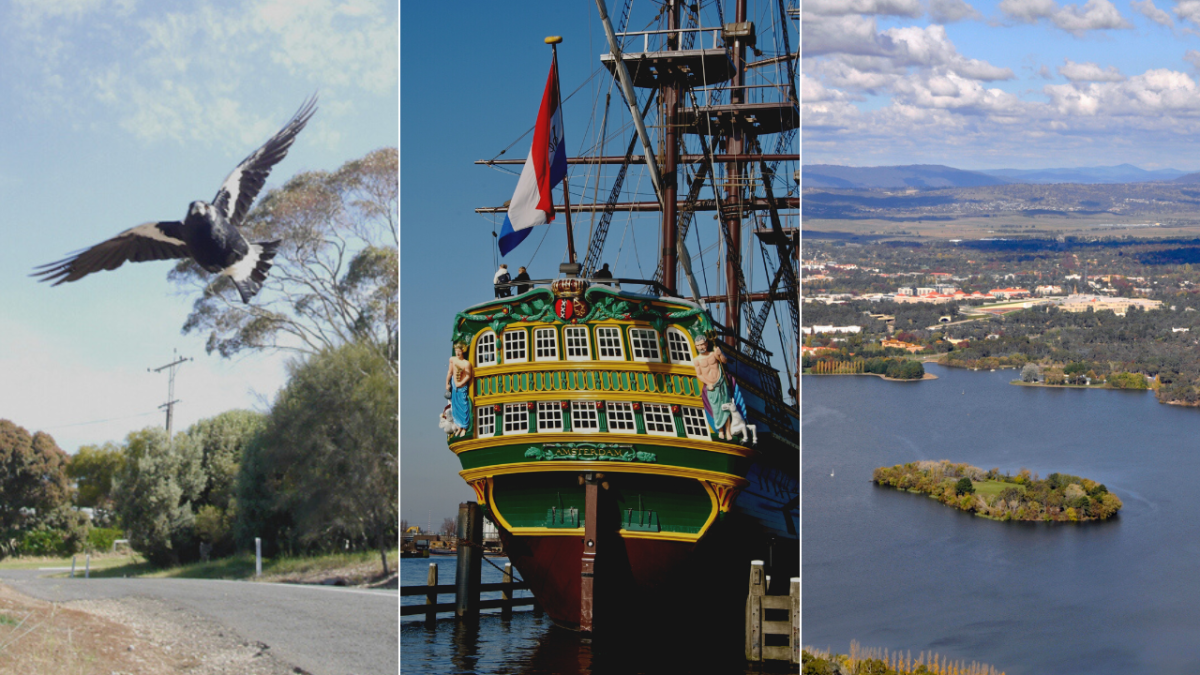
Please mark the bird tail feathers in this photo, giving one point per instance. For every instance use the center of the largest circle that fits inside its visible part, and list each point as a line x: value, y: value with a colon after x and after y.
x: 250, y: 273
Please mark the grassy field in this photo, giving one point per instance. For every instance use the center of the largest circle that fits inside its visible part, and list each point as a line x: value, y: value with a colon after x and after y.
x: 356, y: 568
x: 100, y: 561
x: 992, y: 488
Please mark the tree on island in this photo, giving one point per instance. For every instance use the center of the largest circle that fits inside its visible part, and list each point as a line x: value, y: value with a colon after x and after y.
x: 964, y: 486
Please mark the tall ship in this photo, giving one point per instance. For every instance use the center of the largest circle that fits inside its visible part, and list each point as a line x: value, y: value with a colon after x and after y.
x: 636, y: 441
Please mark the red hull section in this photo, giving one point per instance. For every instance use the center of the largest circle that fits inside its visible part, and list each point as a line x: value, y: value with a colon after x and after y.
x: 633, y: 576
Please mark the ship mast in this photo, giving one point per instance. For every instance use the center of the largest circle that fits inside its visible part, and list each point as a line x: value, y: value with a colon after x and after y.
x: 733, y: 180
x: 669, y: 96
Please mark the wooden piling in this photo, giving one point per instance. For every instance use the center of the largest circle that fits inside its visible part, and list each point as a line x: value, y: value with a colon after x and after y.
x: 754, y: 611
x: 470, y: 561
x: 507, y: 593
x: 794, y: 640
x: 431, y: 597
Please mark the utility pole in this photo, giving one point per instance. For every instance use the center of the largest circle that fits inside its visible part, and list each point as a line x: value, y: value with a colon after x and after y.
x: 171, y: 400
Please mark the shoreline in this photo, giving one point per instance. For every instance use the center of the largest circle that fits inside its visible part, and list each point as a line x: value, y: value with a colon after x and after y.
x: 927, y: 376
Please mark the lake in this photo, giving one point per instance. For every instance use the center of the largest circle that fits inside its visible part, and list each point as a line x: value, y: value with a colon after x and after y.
x: 901, y: 571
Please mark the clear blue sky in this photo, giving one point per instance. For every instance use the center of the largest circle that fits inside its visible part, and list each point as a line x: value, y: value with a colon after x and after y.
x: 470, y: 86
x: 118, y: 112
x: 981, y: 84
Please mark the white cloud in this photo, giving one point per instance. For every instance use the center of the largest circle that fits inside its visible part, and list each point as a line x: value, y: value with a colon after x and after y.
x: 950, y: 11
x: 945, y: 89
x: 182, y: 75
x: 909, y: 8
x: 852, y: 34
x: 1094, y: 15
x: 1089, y: 72
x: 1028, y: 11
x: 1150, y: 95
x: 1147, y: 9
x: 1188, y: 10
x: 856, y: 44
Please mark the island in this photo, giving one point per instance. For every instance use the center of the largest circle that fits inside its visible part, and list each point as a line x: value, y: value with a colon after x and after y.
x: 1059, y: 497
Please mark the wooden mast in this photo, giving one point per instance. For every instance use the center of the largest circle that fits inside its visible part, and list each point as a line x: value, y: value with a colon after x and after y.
x: 669, y: 96
x: 736, y: 145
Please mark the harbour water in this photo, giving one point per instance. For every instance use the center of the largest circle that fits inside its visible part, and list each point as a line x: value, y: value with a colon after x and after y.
x: 900, y: 571
x: 532, y: 645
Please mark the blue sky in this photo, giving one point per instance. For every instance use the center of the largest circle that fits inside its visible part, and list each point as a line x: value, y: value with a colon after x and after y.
x: 1011, y: 84
x: 120, y: 112
x: 467, y: 94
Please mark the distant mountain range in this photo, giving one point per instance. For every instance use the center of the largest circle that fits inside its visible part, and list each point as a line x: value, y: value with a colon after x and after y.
x: 927, y: 176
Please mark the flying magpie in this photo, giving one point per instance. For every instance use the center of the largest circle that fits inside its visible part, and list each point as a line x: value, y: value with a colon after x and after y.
x: 208, y: 234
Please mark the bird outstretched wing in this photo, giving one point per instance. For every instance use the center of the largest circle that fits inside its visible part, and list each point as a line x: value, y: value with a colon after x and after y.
x: 149, y: 241
x: 240, y: 188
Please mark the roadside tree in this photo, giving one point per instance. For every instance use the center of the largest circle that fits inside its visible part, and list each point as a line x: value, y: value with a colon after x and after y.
x: 93, y: 468
x: 329, y: 452
x: 33, y: 480
x: 222, y: 440
x: 155, y: 493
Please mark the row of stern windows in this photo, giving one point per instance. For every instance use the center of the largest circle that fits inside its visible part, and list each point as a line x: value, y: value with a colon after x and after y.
x: 581, y: 343
x: 619, y: 417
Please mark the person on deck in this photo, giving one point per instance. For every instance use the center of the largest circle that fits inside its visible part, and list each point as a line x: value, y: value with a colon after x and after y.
x: 522, y: 275
x: 603, y: 273
x: 501, y: 277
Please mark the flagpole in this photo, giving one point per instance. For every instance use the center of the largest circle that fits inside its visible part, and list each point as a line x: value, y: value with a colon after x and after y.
x: 553, y: 41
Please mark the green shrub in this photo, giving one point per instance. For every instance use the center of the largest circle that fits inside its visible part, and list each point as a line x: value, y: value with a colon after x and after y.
x: 101, y: 538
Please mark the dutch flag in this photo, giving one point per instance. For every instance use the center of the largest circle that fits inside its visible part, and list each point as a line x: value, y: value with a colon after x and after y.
x: 545, y: 167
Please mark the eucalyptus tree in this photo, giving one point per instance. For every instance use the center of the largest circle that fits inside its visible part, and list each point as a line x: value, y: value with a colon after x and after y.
x: 335, y: 278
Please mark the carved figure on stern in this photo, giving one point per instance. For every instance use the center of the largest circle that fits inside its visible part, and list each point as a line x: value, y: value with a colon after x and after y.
x: 711, y: 372
x: 458, y: 379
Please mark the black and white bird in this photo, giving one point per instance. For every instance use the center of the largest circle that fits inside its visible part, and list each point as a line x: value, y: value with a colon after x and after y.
x: 208, y: 234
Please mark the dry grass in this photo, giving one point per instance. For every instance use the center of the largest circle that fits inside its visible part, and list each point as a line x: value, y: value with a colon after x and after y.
x: 40, y: 637
x: 904, y: 662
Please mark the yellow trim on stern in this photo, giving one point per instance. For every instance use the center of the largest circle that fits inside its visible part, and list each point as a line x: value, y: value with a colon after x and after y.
x: 596, y: 437
x: 603, y: 467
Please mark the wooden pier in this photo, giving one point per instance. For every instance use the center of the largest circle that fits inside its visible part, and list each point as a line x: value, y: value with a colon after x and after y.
x: 467, y: 585
x: 759, y: 626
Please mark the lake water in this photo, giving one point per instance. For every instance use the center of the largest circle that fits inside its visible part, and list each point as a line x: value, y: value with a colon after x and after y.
x: 900, y: 571
x: 532, y: 645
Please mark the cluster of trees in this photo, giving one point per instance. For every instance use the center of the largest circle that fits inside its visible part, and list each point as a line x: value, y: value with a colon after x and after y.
x: 36, y: 515
x: 1058, y: 497
x: 845, y: 363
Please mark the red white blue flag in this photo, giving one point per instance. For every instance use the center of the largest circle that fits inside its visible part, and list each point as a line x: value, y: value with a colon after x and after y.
x: 545, y: 167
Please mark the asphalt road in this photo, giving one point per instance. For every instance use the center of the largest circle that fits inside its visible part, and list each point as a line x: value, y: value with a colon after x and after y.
x: 325, y: 630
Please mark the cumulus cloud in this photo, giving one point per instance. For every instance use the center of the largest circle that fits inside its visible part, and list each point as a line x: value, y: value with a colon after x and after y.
x: 1094, y: 15
x: 1151, y: 94
x: 859, y: 47
x: 950, y: 11
x: 1028, y: 11
x: 851, y: 34
x: 930, y: 47
x: 1146, y: 8
x: 909, y: 8
x: 1188, y: 10
x: 947, y: 90
x: 1089, y: 72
